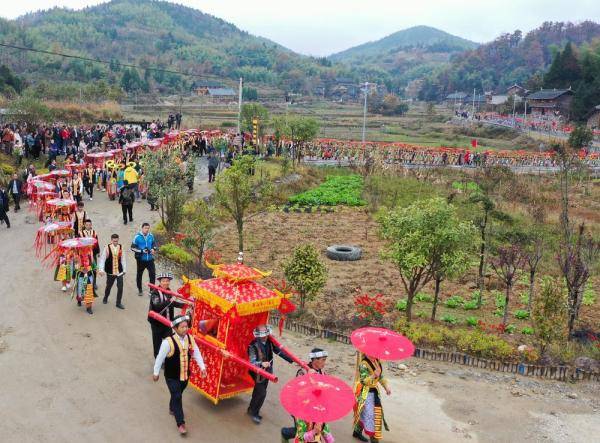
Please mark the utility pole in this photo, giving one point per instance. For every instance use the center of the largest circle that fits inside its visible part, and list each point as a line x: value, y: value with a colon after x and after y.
x: 514, y: 111
x: 525, y: 117
x: 364, y: 129
x: 239, y: 129
x: 473, y: 113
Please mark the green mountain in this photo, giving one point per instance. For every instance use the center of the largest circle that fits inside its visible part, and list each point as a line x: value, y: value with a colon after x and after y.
x: 416, y: 38
x: 400, y: 58
x: 151, y: 33
x: 509, y: 59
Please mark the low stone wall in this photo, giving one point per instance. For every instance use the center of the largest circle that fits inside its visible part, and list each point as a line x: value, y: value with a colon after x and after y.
x: 562, y: 373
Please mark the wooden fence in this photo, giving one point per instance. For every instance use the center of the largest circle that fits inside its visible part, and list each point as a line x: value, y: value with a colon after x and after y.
x: 562, y: 373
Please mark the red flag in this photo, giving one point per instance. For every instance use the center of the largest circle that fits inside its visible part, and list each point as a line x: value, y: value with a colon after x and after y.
x: 474, y: 143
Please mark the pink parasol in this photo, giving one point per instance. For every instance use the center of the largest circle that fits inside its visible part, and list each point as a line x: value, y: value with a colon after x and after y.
x: 78, y: 243
x: 317, y: 398
x: 45, y: 177
x: 75, y: 166
x: 382, y: 343
x: 60, y: 173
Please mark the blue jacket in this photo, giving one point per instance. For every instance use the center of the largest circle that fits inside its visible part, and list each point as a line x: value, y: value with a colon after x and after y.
x: 141, y: 243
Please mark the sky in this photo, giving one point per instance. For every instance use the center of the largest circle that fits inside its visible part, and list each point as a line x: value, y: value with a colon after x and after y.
x: 323, y: 27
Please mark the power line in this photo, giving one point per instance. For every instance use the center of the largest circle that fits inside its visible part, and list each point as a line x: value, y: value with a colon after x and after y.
x: 105, y: 62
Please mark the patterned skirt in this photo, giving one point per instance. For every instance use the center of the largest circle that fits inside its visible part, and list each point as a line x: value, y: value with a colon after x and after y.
x: 371, y: 416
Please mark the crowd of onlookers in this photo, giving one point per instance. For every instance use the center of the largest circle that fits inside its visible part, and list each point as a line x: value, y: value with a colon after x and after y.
x: 28, y: 141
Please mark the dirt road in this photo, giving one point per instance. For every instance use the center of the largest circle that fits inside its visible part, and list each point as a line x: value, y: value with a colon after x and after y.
x: 69, y: 377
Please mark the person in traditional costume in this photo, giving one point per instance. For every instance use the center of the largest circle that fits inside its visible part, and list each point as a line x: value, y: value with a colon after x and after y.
x: 77, y: 187
x: 89, y: 232
x: 368, y: 411
x: 83, y: 290
x: 313, y: 432
x: 162, y: 303
x: 317, y: 360
x: 79, y: 218
x: 64, y: 272
x: 89, y: 179
x: 261, y: 352
x: 111, y: 180
x: 176, y: 352
x: 113, y: 264
x: 64, y: 193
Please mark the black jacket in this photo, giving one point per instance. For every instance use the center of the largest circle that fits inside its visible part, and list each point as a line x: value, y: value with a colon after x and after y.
x: 3, y: 200
x: 19, y: 186
x: 162, y: 304
x: 259, y: 352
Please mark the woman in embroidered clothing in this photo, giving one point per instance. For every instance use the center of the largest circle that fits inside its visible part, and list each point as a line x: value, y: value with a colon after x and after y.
x: 368, y: 411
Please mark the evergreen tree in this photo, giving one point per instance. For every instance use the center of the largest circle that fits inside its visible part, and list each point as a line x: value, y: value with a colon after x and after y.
x: 565, y: 70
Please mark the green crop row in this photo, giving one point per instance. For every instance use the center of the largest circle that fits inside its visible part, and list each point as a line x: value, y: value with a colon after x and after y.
x: 336, y: 190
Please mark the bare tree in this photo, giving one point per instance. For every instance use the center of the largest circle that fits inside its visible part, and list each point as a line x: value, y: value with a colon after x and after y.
x: 575, y: 259
x: 534, y: 256
x: 508, y: 262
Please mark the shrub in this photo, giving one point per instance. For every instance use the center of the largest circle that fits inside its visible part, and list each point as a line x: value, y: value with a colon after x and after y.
x: 549, y: 315
x: 471, y: 321
x: 401, y: 304
x: 589, y: 295
x: 521, y: 314
x: 176, y: 254
x: 475, y: 296
x: 527, y: 330
x: 370, y: 307
x: 473, y: 342
x: 454, y: 302
x: 305, y: 272
x: 484, y: 345
x: 468, y: 186
x: 500, y: 299
x: 449, y: 318
x: 423, y: 297
x: 524, y: 297
x: 470, y: 305
x: 510, y: 329
x: 422, y: 314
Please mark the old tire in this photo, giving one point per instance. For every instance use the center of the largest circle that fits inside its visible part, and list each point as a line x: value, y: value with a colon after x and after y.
x: 344, y: 253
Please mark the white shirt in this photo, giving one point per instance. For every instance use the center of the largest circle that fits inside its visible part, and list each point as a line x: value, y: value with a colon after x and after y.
x: 104, y: 256
x: 164, y: 350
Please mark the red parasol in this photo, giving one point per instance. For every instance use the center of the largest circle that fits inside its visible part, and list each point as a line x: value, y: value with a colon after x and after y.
x: 98, y: 158
x: 51, y: 234
x: 382, y: 343
x: 317, y: 398
x: 37, y: 186
x: 59, y: 207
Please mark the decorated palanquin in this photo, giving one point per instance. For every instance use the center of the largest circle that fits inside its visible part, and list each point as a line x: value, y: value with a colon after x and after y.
x: 227, y: 308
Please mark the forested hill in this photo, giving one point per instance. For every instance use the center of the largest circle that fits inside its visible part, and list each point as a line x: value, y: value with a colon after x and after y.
x: 155, y: 33
x: 417, y: 37
x: 511, y: 58
x: 404, y: 56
